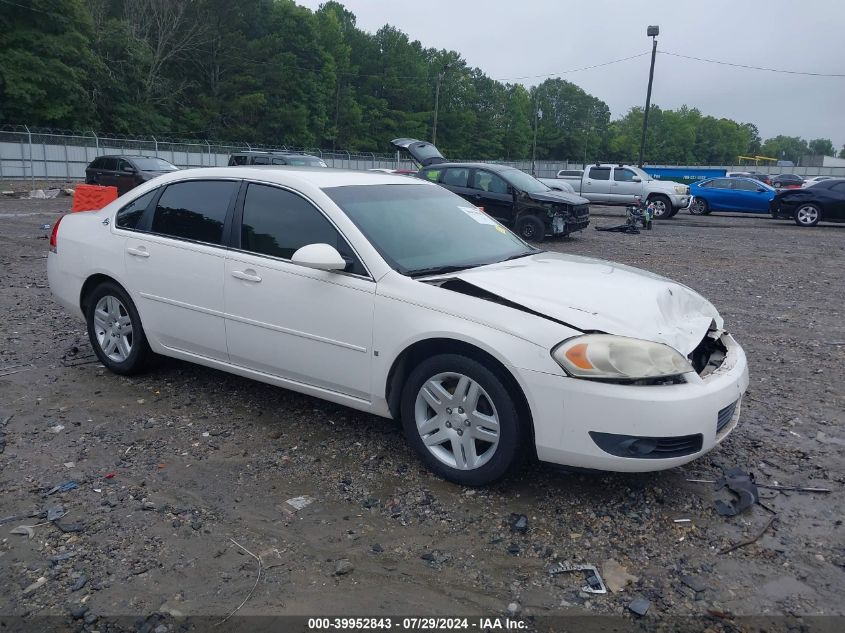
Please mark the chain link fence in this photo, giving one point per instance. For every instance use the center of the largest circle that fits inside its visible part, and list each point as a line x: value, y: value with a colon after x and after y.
x: 39, y: 154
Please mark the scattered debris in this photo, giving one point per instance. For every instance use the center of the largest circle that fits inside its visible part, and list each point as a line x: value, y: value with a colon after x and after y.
x: 753, y: 539
x: 694, y: 582
x: 827, y: 439
x: 639, y: 606
x: 68, y: 528
x: 38, y: 583
x: 80, y: 583
x: 297, y: 503
x: 514, y: 609
x: 25, y: 530
x: 378, y: 549
x: 616, y: 577
x: 343, y: 567
x: 55, y: 512
x: 64, y: 487
x: 519, y: 523
x: 257, y: 578
x: 57, y: 429
x: 682, y: 520
x: 594, y: 582
x: 769, y: 486
x: 741, y: 483
x: 55, y: 560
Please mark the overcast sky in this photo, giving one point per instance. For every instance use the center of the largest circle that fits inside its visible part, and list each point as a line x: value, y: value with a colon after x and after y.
x: 509, y: 39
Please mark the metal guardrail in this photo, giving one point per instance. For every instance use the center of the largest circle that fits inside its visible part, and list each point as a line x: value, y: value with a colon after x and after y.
x: 38, y: 154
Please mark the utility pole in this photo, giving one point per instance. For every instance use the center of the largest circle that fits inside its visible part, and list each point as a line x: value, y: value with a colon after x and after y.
x: 653, y: 32
x: 437, y: 103
x: 534, y: 144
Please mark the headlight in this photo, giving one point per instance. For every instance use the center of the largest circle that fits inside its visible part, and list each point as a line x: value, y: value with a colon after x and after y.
x: 604, y: 356
x: 682, y: 189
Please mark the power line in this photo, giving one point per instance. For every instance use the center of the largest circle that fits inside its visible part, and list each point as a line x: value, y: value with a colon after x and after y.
x: 771, y: 70
x: 573, y: 70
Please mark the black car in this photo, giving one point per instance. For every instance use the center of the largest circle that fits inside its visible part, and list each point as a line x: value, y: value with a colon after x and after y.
x: 785, y: 181
x: 514, y: 198
x: 756, y: 175
x: 823, y: 201
x: 125, y: 172
x: 256, y: 157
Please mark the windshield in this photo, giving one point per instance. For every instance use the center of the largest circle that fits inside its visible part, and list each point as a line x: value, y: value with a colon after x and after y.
x: 522, y: 181
x: 153, y: 164
x: 644, y: 176
x: 425, y: 229
x: 306, y: 162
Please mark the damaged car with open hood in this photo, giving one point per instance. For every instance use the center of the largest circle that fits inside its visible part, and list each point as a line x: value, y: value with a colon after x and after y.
x: 395, y: 297
x: 532, y: 209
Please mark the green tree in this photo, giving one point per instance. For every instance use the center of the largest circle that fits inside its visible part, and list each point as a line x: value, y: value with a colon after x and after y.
x: 46, y: 63
x: 785, y: 148
x: 821, y: 147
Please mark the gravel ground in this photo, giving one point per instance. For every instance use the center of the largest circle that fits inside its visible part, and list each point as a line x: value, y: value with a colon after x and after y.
x: 177, y: 467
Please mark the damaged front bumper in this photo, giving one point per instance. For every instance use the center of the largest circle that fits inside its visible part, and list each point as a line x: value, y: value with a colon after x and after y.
x: 575, y: 218
x: 635, y: 428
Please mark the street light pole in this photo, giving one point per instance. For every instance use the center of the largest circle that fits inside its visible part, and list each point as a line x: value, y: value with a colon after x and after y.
x: 534, y: 144
x: 437, y: 103
x: 653, y: 32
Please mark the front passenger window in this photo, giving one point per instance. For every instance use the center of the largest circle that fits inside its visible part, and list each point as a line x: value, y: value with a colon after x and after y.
x: 277, y: 222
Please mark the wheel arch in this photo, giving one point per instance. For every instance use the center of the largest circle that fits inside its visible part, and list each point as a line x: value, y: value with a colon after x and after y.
x: 90, y: 284
x: 422, y: 349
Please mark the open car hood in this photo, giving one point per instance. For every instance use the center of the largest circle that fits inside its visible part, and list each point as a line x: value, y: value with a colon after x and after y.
x: 559, y: 196
x: 424, y: 153
x: 593, y: 295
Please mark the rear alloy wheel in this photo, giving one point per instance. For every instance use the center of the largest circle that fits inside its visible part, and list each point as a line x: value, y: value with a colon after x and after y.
x: 662, y: 207
x: 699, y: 206
x: 461, y: 420
x: 530, y: 227
x: 115, y: 330
x: 808, y: 215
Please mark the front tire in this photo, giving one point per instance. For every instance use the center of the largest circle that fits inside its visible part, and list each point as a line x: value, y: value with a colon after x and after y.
x: 699, y: 206
x: 461, y: 420
x: 662, y: 207
x: 115, y: 330
x: 807, y: 214
x: 531, y: 228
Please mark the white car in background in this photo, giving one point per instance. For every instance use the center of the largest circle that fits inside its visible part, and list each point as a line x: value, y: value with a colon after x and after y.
x: 808, y: 182
x: 394, y: 296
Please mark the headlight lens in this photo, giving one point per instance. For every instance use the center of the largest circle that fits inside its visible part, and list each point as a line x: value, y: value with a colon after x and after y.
x: 608, y: 357
x: 681, y: 189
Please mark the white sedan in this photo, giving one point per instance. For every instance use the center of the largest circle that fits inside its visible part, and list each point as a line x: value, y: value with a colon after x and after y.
x: 393, y: 296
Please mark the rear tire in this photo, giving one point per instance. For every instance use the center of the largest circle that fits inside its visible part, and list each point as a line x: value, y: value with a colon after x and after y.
x: 461, y: 420
x: 662, y: 207
x: 807, y: 214
x: 530, y: 227
x: 115, y: 330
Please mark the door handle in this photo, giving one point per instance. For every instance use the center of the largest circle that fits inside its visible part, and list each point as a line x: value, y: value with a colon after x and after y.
x: 138, y: 252
x: 247, y: 275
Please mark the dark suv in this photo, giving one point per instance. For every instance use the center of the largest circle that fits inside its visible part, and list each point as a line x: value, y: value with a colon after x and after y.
x: 255, y: 157
x: 514, y: 198
x: 125, y: 172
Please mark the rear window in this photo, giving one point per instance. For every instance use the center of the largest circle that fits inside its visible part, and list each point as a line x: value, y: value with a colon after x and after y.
x: 109, y: 164
x: 129, y: 216
x: 194, y: 211
x: 237, y: 159
x: 600, y: 173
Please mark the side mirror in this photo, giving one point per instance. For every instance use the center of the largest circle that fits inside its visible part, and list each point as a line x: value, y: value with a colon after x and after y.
x: 130, y: 169
x: 319, y: 256
x: 636, y: 179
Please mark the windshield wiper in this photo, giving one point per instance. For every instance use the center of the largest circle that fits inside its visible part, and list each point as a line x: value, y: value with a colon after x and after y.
x: 437, y: 270
x: 519, y: 255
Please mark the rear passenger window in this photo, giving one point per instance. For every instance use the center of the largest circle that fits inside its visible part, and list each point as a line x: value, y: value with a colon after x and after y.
x: 600, y: 173
x: 278, y: 223
x: 194, y: 210
x: 261, y: 160
x: 129, y: 216
x: 457, y: 177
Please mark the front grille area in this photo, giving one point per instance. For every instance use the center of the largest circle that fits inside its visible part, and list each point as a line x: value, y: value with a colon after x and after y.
x: 581, y: 210
x: 642, y: 447
x: 724, y: 417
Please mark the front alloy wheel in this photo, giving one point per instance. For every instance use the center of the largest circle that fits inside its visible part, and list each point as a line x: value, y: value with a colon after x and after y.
x: 699, y: 206
x: 461, y: 419
x: 807, y: 215
x: 662, y: 207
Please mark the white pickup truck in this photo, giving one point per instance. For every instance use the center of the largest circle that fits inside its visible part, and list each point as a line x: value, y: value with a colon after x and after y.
x: 619, y: 184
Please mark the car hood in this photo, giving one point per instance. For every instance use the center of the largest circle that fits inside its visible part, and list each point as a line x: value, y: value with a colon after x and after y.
x: 558, y: 197
x: 666, y: 185
x: 593, y: 295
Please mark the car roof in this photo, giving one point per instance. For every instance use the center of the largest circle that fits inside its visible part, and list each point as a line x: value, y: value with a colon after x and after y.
x: 259, y: 152
x: 319, y: 177
x: 490, y: 166
x: 126, y: 156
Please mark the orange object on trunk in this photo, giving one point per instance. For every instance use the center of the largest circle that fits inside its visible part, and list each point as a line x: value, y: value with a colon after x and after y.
x: 92, y: 197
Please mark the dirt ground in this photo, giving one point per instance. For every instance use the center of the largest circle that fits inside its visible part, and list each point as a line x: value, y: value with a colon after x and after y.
x: 177, y: 468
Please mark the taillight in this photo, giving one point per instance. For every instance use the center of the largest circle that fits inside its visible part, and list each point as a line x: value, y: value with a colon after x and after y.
x: 54, y: 235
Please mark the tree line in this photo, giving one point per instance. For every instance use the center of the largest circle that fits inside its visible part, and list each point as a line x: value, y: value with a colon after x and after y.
x: 272, y: 72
